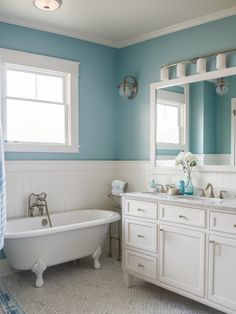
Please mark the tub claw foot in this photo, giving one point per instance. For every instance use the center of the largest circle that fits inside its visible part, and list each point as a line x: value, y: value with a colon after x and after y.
x: 38, y: 268
x: 96, y: 257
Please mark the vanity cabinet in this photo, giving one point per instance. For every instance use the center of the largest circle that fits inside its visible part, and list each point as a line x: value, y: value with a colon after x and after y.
x: 222, y: 271
x: 181, y: 259
x: 186, y: 248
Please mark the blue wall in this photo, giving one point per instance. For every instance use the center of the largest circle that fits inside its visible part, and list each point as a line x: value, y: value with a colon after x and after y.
x: 111, y: 127
x: 196, y: 117
x: 202, y: 118
x: 144, y: 61
x: 97, y: 87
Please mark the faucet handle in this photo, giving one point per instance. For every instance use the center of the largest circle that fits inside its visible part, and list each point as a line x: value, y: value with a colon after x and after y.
x: 162, y: 189
x: 42, y: 196
x: 202, y: 194
x: 221, y: 194
x: 169, y: 186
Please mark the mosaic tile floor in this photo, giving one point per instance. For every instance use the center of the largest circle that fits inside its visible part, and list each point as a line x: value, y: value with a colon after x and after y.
x: 79, y: 289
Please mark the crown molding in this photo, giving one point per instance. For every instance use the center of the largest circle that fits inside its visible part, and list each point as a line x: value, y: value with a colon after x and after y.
x: 58, y: 31
x: 178, y: 27
x: 134, y: 40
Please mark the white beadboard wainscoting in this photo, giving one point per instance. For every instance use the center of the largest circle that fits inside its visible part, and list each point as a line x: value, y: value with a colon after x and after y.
x: 86, y: 184
x: 68, y: 184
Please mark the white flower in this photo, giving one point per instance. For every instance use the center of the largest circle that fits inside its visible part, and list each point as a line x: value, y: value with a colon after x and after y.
x: 179, y: 158
x: 186, y: 160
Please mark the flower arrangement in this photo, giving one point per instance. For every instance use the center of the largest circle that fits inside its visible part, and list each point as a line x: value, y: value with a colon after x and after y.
x: 187, y: 161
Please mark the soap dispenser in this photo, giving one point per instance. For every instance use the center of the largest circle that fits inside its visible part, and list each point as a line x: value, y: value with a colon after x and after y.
x: 152, y: 186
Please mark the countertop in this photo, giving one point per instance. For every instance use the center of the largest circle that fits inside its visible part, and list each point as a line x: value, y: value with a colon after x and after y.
x: 185, y: 200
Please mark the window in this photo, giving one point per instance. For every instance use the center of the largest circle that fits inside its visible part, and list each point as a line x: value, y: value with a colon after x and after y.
x: 170, y: 120
x: 40, y: 103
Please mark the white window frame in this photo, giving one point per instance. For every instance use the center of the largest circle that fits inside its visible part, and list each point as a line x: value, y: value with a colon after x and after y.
x: 177, y: 100
x: 69, y: 70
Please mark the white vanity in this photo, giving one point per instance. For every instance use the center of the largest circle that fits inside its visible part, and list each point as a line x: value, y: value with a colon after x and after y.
x: 184, y: 244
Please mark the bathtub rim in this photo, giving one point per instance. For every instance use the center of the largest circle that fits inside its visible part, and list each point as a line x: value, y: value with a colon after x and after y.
x: 62, y: 228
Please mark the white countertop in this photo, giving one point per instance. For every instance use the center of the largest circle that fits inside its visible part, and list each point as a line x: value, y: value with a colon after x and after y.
x: 192, y: 200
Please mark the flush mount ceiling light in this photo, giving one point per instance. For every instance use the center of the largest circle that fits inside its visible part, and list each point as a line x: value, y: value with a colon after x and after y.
x: 129, y: 87
x: 222, y: 87
x: 47, y: 5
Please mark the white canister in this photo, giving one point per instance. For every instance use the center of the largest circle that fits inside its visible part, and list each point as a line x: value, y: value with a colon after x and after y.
x: 201, y: 65
x: 180, y: 70
x: 164, y: 74
x: 221, y: 61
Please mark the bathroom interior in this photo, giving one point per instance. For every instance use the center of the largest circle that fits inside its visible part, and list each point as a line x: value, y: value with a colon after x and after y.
x: 117, y: 157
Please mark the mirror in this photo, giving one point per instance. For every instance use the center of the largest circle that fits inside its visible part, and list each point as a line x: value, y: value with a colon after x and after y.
x: 198, y: 117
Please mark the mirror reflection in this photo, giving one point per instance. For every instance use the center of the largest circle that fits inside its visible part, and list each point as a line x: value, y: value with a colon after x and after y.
x: 198, y: 117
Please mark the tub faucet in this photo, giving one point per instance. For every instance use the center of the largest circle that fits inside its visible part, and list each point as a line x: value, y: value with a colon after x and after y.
x: 40, y: 203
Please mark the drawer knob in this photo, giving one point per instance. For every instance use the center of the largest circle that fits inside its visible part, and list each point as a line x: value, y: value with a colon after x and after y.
x: 141, y: 265
x: 211, y: 241
x: 140, y: 210
x: 235, y: 226
x: 140, y: 236
x: 182, y: 216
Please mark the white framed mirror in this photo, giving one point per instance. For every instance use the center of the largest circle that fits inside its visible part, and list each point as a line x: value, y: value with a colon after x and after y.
x: 196, y: 113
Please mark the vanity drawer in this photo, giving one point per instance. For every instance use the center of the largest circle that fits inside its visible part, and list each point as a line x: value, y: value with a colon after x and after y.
x: 142, y: 264
x: 183, y: 215
x: 223, y: 222
x: 141, y: 209
x: 141, y: 235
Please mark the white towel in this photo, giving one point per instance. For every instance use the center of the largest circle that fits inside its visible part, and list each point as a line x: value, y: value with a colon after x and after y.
x: 2, y: 192
x: 118, y: 187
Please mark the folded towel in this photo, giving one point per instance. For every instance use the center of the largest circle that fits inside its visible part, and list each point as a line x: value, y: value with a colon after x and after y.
x: 118, y: 187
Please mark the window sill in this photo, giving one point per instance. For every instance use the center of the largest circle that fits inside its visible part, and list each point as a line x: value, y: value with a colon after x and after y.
x: 40, y: 148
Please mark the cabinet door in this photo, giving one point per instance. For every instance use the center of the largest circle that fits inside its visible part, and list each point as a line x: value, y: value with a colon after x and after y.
x: 182, y: 256
x: 222, y: 271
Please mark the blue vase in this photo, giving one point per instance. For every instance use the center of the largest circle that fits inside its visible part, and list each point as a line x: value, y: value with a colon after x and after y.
x: 181, y: 186
x: 188, y: 189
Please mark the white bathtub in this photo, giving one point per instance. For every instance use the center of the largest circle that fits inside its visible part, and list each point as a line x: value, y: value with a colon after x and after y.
x: 74, y: 234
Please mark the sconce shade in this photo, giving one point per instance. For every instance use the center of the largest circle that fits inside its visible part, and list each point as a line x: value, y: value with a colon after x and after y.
x: 128, y: 88
x: 222, y: 87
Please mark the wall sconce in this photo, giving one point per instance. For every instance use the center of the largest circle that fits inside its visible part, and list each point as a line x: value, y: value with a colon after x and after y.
x: 129, y: 87
x: 222, y: 87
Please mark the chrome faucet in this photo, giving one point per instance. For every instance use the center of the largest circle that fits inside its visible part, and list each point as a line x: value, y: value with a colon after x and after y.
x: 211, y: 193
x: 40, y: 203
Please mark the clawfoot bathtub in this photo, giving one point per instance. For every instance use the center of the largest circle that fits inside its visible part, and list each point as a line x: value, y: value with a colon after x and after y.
x: 31, y: 244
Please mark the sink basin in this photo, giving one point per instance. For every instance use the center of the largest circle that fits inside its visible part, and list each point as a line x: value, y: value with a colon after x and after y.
x: 158, y: 195
x: 190, y: 199
x: 201, y: 200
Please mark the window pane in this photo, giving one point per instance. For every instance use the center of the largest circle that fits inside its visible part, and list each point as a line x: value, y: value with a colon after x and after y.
x: 28, y: 121
x: 50, y: 88
x: 21, y: 84
x: 167, y: 124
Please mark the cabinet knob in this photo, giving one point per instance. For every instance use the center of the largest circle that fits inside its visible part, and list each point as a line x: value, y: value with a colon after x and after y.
x: 235, y: 226
x: 141, y: 265
x: 211, y: 241
x: 140, y: 210
x: 140, y: 236
x: 182, y: 216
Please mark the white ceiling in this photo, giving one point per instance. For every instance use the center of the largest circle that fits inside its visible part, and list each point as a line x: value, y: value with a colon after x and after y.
x: 116, y: 23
